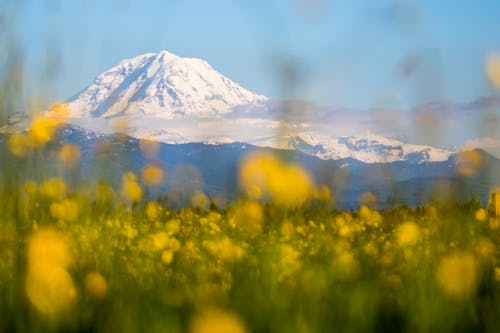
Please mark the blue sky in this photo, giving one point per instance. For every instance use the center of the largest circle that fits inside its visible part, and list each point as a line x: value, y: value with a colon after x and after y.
x: 356, y: 54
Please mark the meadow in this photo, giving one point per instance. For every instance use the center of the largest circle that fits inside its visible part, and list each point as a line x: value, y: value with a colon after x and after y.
x: 281, y: 258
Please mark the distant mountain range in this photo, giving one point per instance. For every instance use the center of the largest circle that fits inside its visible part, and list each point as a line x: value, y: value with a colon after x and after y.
x: 213, y: 169
x: 203, y: 119
x: 172, y: 99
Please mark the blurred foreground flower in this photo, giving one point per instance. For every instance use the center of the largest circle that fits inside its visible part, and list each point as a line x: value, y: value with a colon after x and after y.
x: 457, y: 275
x: 247, y: 218
x: 69, y: 155
x: 287, y: 184
x: 131, y: 190
x: 43, y: 126
x: 199, y: 200
x: 468, y: 163
x: 54, y: 188
x: 96, y: 285
x: 40, y: 131
x: 217, y: 321
x: 408, y: 234
x: 493, y: 69
x: 49, y: 286
x: 152, y: 175
x: 65, y: 210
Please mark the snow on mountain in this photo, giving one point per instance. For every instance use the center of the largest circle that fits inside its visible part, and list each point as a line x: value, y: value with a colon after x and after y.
x: 369, y: 149
x: 161, y: 84
x: 170, y: 99
x: 161, y: 135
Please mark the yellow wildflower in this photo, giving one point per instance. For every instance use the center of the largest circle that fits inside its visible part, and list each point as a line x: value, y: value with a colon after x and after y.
x: 346, y: 266
x: 408, y: 234
x: 49, y: 286
x: 49, y: 247
x: 152, y: 175
x: 287, y: 185
x: 69, y: 154
x: 19, y: 144
x: 224, y: 249
x: 199, y: 200
x: 42, y: 128
x: 96, y: 285
x: 368, y: 199
x: 54, y: 188
x: 50, y: 289
x: 468, y: 163
x: 214, y: 320
x: 65, y: 210
x: 130, y: 188
x: 167, y: 256
x: 247, y: 217
x: 153, y: 210
x: 493, y: 69
x: 457, y: 275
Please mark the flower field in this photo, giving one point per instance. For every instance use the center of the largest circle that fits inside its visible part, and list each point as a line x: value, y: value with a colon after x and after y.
x: 280, y: 258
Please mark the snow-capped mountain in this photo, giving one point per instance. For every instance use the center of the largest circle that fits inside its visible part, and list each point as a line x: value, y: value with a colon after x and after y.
x: 161, y: 84
x: 170, y: 99
x: 369, y: 149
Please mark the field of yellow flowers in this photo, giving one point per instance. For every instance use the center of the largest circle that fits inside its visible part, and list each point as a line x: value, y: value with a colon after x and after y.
x: 281, y: 258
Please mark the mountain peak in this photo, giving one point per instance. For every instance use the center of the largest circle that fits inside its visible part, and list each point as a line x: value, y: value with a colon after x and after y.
x: 161, y: 84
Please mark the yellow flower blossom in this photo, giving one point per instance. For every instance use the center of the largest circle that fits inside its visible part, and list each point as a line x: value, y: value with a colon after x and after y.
x: 468, y: 163
x: 96, y: 285
x: 497, y: 273
x: 19, y: 144
x: 69, y: 155
x: 167, y: 256
x: 173, y: 226
x: 287, y: 185
x: 254, y: 192
x: 153, y: 210
x: 457, y: 275
x: 214, y: 320
x: 481, y: 214
x: 65, y: 210
x: 346, y: 267
x: 59, y: 111
x: 54, y: 188
x: 248, y: 218
x: 49, y: 286
x: 152, y: 175
x: 484, y: 248
x: 49, y: 247
x: 30, y: 187
x: 224, y: 249
x: 368, y: 199
x: 289, y: 261
x: 131, y: 190
x: 160, y: 240
x: 494, y: 202
x: 42, y: 129
x: 408, y: 234
x: 493, y: 69
x: 322, y: 193
x: 50, y: 289
x: 287, y: 229
x: 199, y: 200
